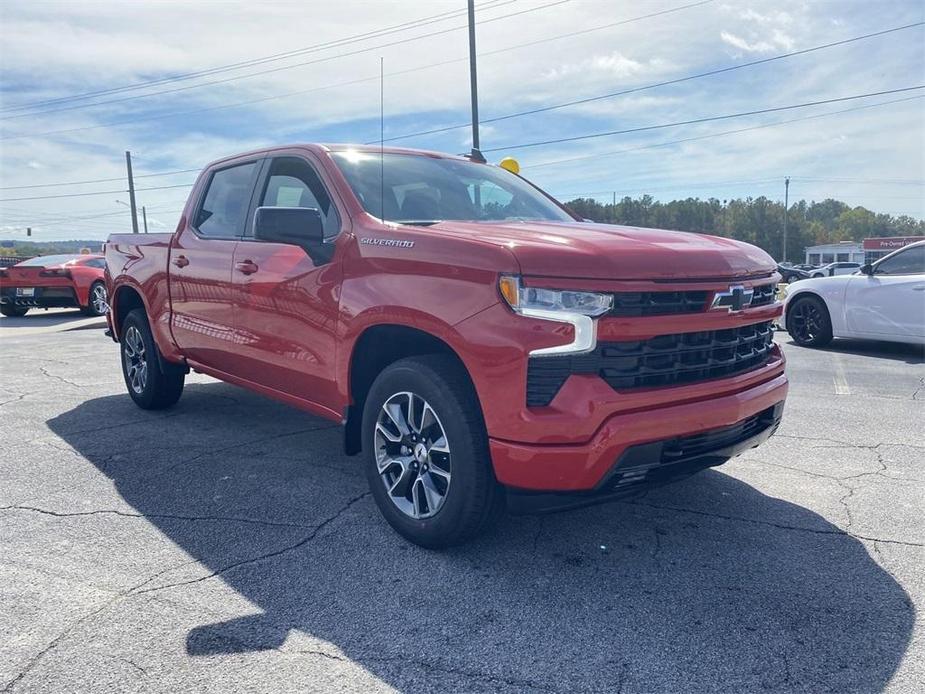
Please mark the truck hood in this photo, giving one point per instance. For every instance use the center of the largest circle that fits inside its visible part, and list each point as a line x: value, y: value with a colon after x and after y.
x: 605, y: 251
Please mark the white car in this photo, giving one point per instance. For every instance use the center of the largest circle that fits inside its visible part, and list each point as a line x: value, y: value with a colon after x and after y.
x: 884, y: 301
x: 833, y: 269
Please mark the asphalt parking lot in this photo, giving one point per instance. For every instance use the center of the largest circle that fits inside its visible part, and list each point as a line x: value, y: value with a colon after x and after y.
x: 227, y: 545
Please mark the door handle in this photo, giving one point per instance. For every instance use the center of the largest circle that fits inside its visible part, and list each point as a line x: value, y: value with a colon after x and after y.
x: 919, y: 288
x: 180, y: 261
x: 248, y: 267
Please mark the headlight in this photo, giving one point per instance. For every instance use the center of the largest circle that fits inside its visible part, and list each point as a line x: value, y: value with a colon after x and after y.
x: 563, y: 306
x: 522, y: 298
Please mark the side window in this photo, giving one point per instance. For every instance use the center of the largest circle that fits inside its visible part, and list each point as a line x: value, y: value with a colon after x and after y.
x: 292, y: 182
x: 908, y: 262
x: 97, y: 262
x: 225, y: 204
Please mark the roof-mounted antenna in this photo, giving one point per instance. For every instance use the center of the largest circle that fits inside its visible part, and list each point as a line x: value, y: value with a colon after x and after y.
x: 382, y: 138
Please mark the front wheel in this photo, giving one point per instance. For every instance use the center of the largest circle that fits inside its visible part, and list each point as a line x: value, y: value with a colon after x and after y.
x: 97, y: 303
x: 149, y: 386
x: 426, y: 452
x: 808, y: 322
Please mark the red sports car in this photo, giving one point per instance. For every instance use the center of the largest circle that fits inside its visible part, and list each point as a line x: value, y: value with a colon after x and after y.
x: 54, y: 281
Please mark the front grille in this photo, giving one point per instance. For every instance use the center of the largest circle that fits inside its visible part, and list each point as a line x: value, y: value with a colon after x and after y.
x: 658, y: 303
x: 763, y: 295
x: 665, y: 360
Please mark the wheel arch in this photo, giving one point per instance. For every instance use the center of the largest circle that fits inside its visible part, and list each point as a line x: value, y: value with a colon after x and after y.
x: 374, y: 349
x: 125, y: 298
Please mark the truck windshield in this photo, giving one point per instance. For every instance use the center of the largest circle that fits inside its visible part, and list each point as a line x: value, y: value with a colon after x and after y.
x: 418, y: 189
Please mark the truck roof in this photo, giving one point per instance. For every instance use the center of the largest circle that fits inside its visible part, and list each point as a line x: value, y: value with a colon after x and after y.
x: 320, y: 148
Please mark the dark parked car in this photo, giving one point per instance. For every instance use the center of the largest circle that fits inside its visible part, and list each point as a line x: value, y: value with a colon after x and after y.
x: 791, y: 273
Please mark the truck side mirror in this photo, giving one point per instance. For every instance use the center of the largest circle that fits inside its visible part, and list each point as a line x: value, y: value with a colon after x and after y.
x: 293, y: 225
x: 297, y: 226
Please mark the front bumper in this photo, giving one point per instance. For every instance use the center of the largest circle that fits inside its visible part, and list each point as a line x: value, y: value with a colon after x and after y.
x: 643, y: 436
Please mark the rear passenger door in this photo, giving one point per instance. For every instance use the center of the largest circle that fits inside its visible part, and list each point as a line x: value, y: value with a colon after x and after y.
x: 286, y: 301
x: 201, y: 257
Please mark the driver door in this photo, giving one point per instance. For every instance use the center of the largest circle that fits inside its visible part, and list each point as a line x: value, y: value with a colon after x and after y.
x: 286, y: 302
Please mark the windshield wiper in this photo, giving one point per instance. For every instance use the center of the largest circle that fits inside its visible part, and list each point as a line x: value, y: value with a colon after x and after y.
x: 418, y: 222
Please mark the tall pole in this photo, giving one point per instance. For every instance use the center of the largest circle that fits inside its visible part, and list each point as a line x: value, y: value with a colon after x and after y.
x: 786, y: 208
x: 131, y: 191
x: 473, y: 81
x: 144, y: 216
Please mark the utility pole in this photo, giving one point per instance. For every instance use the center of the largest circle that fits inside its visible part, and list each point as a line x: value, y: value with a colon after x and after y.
x: 724, y: 215
x: 613, y: 210
x: 28, y: 231
x: 144, y: 216
x: 474, y: 85
x: 786, y: 207
x: 131, y: 191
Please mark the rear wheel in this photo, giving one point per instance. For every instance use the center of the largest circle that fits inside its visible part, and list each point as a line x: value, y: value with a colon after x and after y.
x: 426, y: 452
x: 150, y: 387
x: 97, y: 303
x: 13, y: 311
x: 808, y: 322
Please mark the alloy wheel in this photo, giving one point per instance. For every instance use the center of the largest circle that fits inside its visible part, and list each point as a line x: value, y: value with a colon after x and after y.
x: 806, y: 322
x: 136, y: 362
x: 98, y: 299
x: 412, y: 455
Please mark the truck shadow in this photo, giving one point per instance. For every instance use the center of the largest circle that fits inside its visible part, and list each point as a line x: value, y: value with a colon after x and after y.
x: 738, y: 591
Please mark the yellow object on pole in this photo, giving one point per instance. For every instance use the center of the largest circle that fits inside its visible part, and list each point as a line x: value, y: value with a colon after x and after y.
x: 510, y: 164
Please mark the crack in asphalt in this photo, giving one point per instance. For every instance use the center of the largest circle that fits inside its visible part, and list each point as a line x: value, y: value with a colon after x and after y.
x: 262, y: 557
x: 915, y: 393
x: 846, y: 444
x: 161, y: 516
x: 781, y: 526
x: 45, y: 372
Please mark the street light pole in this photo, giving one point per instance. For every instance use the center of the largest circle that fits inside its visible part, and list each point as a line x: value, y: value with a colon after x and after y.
x: 131, y: 191
x: 144, y: 216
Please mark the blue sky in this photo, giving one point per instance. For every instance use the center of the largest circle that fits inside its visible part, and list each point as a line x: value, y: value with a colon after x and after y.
x: 871, y: 155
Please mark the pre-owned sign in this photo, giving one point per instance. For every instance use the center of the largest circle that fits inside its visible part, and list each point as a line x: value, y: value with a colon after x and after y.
x: 890, y: 243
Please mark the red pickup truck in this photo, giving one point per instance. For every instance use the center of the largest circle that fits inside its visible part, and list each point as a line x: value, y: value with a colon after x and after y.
x: 482, y: 346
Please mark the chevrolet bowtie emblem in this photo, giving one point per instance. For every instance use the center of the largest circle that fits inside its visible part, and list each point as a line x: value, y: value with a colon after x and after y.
x: 735, y: 299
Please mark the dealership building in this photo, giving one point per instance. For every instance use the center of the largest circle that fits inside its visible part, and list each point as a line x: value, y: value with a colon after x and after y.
x: 867, y: 251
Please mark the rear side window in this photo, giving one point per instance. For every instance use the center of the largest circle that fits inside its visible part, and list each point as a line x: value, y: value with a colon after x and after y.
x: 97, y: 263
x: 292, y: 182
x: 908, y: 262
x: 224, y: 207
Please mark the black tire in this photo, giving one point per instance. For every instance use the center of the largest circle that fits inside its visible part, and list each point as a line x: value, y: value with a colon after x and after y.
x: 13, y: 311
x: 157, y: 389
x: 808, y: 322
x: 472, y: 499
x: 94, y: 307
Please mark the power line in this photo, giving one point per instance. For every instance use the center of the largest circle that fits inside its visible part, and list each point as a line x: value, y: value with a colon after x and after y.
x: 694, y: 121
x: 99, y: 180
x: 423, y: 21
x: 719, y: 134
x: 289, y: 67
x: 679, y: 80
x: 101, y: 192
x: 372, y: 78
